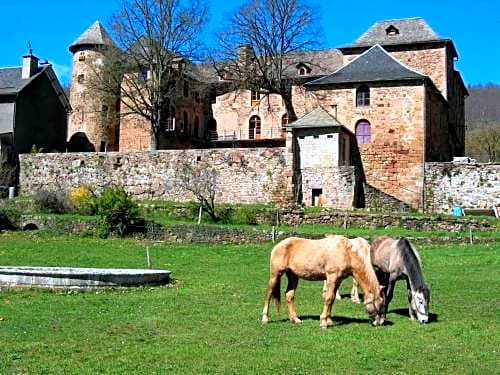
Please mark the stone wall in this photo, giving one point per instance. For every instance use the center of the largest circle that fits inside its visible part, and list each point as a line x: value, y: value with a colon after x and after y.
x: 465, y: 185
x: 337, y: 185
x: 244, y: 175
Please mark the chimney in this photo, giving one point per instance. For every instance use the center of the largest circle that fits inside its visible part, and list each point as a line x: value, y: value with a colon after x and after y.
x: 245, y: 54
x: 30, y: 65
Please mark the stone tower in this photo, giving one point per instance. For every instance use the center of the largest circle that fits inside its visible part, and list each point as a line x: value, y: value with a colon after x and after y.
x: 93, y: 125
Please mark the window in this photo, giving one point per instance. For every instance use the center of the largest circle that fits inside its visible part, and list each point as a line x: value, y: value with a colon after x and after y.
x: 363, y: 132
x: 302, y: 69
x: 186, y: 89
x: 81, y: 56
x: 80, y: 78
x: 144, y: 74
x: 254, y: 127
x: 212, y: 129
x: 362, y: 96
x: 391, y: 31
x: 254, y: 98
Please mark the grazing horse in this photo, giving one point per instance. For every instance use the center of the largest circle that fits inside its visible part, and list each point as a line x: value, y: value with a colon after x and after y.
x: 396, y: 259
x: 332, y: 259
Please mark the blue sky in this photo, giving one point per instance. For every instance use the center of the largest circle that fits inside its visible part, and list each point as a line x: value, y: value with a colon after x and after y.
x: 52, y: 25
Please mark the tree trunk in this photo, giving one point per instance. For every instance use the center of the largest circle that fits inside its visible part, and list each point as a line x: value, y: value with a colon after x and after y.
x: 290, y: 110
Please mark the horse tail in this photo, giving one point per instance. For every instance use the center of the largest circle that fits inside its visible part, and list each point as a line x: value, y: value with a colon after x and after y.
x: 276, y: 293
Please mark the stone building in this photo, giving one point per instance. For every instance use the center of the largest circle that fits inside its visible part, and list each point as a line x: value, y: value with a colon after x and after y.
x: 89, y: 128
x: 395, y: 89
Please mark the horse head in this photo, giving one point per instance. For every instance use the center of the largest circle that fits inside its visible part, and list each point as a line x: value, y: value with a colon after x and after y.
x: 419, y: 304
x: 374, y: 306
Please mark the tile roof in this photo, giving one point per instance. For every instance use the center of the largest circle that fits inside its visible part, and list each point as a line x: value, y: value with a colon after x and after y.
x: 406, y: 31
x: 11, y: 81
x: 321, y: 62
x: 373, y: 65
x: 318, y: 118
x: 96, y: 34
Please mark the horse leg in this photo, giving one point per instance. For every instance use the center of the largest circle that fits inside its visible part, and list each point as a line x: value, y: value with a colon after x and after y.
x: 354, y: 291
x: 325, y: 319
x: 273, y: 280
x: 293, y: 281
x: 410, y: 297
x: 389, y: 293
x: 337, y: 295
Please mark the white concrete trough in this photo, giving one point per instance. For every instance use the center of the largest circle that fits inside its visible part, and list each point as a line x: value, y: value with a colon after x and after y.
x: 67, y: 277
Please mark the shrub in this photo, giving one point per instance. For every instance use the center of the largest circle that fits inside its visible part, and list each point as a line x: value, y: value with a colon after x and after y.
x: 49, y: 201
x: 82, y: 199
x: 245, y: 215
x: 116, y: 211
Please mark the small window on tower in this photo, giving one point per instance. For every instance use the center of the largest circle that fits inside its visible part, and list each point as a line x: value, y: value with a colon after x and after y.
x: 81, y: 56
x: 80, y: 78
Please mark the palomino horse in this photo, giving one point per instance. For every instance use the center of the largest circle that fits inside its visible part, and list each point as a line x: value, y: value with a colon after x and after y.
x: 332, y: 259
x: 397, y: 259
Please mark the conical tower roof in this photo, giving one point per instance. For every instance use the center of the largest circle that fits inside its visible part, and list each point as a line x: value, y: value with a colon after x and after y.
x: 95, y: 35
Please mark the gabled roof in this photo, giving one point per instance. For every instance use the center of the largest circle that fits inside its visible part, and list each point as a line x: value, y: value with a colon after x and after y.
x: 318, y: 118
x: 95, y: 35
x: 399, y: 31
x: 373, y: 65
x: 11, y: 81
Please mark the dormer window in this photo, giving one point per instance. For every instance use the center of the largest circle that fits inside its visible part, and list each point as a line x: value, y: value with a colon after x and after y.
x: 303, y: 69
x: 391, y: 31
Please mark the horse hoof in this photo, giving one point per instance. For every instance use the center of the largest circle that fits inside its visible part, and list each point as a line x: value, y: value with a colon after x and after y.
x: 296, y: 320
x: 265, y: 320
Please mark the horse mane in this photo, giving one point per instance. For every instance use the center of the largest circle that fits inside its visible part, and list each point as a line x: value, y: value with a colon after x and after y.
x: 365, y: 257
x: 412, y: 261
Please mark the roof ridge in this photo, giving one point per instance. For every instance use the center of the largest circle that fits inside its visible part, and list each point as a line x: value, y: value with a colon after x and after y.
x: 397, y: 61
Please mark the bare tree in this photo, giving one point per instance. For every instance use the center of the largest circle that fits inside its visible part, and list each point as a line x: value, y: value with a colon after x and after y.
x: 483, y: 144
x: 199, y: 178
x: 261, y: 36
x: 155, y: 40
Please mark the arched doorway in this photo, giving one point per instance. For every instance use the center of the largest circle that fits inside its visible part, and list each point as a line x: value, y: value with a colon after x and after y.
x: 80, y: 143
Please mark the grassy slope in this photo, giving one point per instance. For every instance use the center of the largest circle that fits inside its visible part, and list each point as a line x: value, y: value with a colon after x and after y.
x: 210, y: 322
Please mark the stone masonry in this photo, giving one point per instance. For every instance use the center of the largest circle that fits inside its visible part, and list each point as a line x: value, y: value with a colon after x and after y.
x: 464, y: 185
x: 245, y: 175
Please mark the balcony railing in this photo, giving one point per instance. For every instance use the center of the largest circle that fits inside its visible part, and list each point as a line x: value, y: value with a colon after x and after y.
x: 247, y: 134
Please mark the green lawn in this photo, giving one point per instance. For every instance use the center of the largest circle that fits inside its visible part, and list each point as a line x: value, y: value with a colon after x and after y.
x: 209, y: 321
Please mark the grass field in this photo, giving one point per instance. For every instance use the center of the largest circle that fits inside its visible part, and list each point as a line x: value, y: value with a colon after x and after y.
x: 208, y: 322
